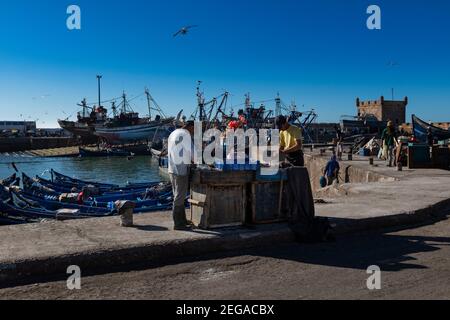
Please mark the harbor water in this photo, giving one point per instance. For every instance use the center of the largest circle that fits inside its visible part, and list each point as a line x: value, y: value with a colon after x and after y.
x: 115, y: 170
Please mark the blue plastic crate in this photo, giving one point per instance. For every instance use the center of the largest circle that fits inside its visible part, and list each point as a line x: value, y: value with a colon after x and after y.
x: 236, y: 166
x: 281, y: 175
x: 364, y: 152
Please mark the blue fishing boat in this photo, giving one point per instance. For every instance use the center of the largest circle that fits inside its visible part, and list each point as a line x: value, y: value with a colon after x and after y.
x: 7, y: 221
x: 420, y: 129
x: 58, y: 188
x: 151, y: 200
x: 15, y: 205
x: 9, y: 181
x: 54, y: 205
x: 68, y: 181
x: 40, y: 199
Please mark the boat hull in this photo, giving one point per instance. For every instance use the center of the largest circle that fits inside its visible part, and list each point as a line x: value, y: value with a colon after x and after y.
x: 78, y: 129
x: 420, y: 129
x: 134, y: 133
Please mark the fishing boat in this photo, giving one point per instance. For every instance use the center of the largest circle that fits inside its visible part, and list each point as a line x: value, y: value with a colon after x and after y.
x: 41, y: 199
x: 16, y: 206
x: 55, y: 189
x: 49, y: 190
x: 420, y: 130
x: 63, y: 179
x: 127, y: 126
x: 163, y: 197
x: 7, y: 221
x: 88, y: 120
x: 53, y: 205
x: 146, y: 131
x: 9, y: 181
x: 157, y: 198
x: 69, y: 181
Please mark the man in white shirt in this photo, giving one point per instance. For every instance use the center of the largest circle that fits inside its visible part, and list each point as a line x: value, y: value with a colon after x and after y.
x: 180, y: 154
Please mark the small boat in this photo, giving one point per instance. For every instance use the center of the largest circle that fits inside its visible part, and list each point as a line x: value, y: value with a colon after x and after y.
x: 47, y: 190
x: 15, y: 206
x: 7, y: 221
x: 50, y: 188
x: 67, y: 181
x: 142, y: 205
x: 63, y: 179
x: 9, y: 181
x: 89, y: 153
x: 155, y: 153
x: 156, y: 199
x: 56, y: 205
x: 420, y: 130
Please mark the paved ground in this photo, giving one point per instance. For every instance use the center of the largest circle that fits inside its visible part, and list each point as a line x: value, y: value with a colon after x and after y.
x: 418, y: 189
x: 415, y: 264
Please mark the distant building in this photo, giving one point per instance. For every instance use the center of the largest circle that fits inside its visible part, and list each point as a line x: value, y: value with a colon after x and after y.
x: 383, y: 110
x: 57, y: 132
x: 18, y: 127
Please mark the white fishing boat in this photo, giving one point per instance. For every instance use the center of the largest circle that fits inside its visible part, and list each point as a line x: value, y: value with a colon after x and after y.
x: 127, y: 126
x: 153, y: 130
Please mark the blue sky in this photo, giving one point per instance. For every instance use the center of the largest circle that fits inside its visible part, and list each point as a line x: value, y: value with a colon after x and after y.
x: 319, y: 53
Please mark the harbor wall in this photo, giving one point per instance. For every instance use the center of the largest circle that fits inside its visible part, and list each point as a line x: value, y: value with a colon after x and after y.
x: 349, y: 174
x: 30, y: 143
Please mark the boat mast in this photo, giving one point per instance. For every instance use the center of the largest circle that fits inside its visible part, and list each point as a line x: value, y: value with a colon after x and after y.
x: 124, y: 107
x: 114, y: 109
x: 278, y: 105
x: 99, y: 90
x: 147, y: 93
x: 201, y: 102
x: 248, y: 103
x: 84, y: 105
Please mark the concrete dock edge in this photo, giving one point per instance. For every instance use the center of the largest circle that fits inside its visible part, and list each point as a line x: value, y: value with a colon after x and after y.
x: 156, y: 252
x: 151, y: 253
x: 406, y: 219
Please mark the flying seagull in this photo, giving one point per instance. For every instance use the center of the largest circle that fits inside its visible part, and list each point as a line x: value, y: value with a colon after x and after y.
x: 392, y: 64
x: 184, y: 31
x: 42, y: 97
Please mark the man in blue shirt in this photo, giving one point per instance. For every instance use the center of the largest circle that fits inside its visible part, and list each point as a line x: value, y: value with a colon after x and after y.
x: 331, y: 171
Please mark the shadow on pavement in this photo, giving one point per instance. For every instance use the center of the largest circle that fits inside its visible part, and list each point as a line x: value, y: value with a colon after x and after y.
x: 389, y: 252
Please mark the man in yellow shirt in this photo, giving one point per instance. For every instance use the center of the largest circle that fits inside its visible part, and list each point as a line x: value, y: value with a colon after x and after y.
x: 290, y: 142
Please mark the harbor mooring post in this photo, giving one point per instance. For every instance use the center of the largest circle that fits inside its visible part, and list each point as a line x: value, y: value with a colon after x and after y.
x: 125, y: 210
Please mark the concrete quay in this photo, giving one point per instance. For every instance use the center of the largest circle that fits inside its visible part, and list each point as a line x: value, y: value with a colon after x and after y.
x: 400, y: 199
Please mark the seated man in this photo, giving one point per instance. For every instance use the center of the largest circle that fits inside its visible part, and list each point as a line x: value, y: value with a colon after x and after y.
x: 290, y: 142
